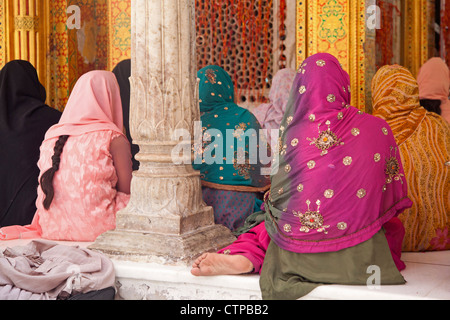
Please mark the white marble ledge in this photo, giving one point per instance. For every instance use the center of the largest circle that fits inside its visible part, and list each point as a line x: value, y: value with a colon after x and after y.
x: 427, y: 276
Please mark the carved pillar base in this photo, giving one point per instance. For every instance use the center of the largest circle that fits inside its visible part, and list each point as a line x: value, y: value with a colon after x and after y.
x: 166, y: 221
x: 162, y: 248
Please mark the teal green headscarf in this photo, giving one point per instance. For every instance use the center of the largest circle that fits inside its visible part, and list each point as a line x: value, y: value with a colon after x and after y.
x: 229, y: 157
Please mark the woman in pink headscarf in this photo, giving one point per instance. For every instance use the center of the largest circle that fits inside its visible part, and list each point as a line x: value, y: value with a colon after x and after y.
x: 270, y: 114
x: 85, y: 165
x: 332, y: 209
x: 434, y: 86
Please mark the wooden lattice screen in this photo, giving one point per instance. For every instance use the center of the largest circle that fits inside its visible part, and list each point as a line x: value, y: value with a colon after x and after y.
x: 238, y: 36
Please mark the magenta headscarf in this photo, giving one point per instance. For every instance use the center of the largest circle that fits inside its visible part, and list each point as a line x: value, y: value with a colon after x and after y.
x: 340, y: 176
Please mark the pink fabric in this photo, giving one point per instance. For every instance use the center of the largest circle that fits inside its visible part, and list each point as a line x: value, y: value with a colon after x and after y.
x: 434, y: 84
x: 395, y: 232
x: 86, y: 197
x: 86, y: 201
x: 345, y: 193
x: 252, y: 245
x: 122, y: 159
x: 93, y: 105
x: 270, y: 114
x: 47, y: 270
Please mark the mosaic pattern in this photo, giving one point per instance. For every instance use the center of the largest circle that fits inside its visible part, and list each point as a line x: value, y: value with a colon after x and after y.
x: 119, y: 13
x: 336, y: 27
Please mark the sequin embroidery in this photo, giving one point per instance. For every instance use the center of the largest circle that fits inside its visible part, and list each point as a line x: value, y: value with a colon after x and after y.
x: 211, y: 75
x: 331, y: 98
x: 347, y: 161
x: 312, y: 220
x: 321, y: 63
x: 342, y: 226
x: 377, y: 157
x: 356, y: 132
x: 302, y: 90
x: 393, y: 168
x: 361, y: 193
x: 329, y: 194
x: 326, y: 140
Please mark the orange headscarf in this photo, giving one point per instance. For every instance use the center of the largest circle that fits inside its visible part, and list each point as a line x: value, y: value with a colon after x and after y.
x: 424, y: 143
x: 395, y: 96
x: 434, y: 84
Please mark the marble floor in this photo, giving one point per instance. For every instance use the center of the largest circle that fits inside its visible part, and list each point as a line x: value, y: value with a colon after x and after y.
x: 427, y: 276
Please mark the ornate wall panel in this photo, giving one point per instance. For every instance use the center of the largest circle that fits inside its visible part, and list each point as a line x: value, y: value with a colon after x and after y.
x: 388, y: 36
x: 416, y: 29
x: 75, y: 51
x: 258, y: 40
x: 337, y: 27
x: 445, y: 30
x: 250, y: 39
x: 58, y: 89
x: 119, y: 12
x: 24, y: 33
x: 3, y: 33
x: 88, y: 45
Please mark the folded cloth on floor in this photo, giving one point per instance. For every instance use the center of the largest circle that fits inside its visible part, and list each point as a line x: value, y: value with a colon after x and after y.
x: 48, y: 270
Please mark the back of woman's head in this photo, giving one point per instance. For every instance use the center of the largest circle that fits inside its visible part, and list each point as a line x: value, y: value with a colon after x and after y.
x: 20, y: 93
x: 432, y: 105
x: 434, y: 80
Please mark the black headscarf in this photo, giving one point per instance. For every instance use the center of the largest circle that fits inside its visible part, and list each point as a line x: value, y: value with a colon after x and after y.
x: 24, y: 120
x: 123, y: 74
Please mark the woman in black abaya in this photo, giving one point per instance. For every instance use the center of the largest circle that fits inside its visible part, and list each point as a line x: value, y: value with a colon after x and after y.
x: 123, y: 74
x: 24, y: 120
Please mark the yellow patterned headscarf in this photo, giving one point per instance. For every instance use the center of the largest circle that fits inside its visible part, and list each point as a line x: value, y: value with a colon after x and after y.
x: 395, y: 95
x: 424, y: 145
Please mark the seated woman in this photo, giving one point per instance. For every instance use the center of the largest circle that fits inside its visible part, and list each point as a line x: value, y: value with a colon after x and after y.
x: 85, y: 165
x: 434, y: 86
x: 24, y: 120
x: 122, y: 71
x: 270, y: 114
x: 231, y: 180
x: 424, y: 145
x: 332, y: 207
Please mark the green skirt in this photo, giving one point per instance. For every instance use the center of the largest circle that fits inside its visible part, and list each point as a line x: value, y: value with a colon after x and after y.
x: 288, y: 276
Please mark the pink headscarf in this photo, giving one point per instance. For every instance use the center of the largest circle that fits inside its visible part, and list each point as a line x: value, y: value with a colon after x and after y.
x: 434, y: 84
x: 94, y: 105
x: 340, y: 177
x: 270, y: 114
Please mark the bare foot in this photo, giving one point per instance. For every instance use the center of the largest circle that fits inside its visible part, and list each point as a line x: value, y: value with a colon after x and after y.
x: 213, y: 264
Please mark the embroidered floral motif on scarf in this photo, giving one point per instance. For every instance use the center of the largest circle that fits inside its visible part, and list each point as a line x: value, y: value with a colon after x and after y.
x: 322, y: 197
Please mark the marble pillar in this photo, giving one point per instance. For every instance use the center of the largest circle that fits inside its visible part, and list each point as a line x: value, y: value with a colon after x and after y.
x: 166, y: 220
